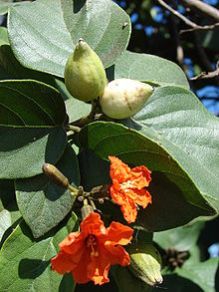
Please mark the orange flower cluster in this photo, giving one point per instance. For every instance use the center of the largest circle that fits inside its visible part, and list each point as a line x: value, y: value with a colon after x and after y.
x: 128, y: 187
x: 88, y: 254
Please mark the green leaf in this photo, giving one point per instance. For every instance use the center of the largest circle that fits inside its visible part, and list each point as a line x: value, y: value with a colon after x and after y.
x: 14, y: 70
x: 175, y: 283
x: 171, y: 186
x: 44, y: 33
x: 24, y: 151
x: 189, y: 133
x: 28, y: 103
x: 202, y: 274
x: 5, y: 222
x: 94, y: 171
x: 181, y: 238
x: 28, y: 260
x: 3, y: 36
x: 6, y: 4
x: 7, y: 194
x: 75, y: 108
x: 148, y: 68
x: 32, y: 115
x: 8, y: 203
x: 42, y: 203
x: 127, y: 282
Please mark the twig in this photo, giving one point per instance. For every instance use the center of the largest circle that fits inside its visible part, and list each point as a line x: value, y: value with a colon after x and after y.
x: 84, y: 121
x: 207, y: 75
x: 73, y: 128
x: 205, y: 27
x: 203, y: 7
x: 176, y: 13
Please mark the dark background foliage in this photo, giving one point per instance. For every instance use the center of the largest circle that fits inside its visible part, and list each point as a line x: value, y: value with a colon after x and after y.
x: 157, y: 31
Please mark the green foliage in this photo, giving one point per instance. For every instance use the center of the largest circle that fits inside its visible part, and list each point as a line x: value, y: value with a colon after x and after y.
x: 29, y: 260
x: 194, y: 274
x: 148, y: 68
x: 3, y: 36
x: 53, y: 202
x: 173, y: 135
x: 66, y: 22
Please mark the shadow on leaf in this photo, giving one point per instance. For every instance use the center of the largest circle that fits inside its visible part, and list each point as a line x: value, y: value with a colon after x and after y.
x: 31, y: 269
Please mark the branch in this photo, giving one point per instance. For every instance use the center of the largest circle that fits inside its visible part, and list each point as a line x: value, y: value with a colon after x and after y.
x: 207, y: 75
x: 176, y: 13
x: 205, y: 27
x: 203, y: 7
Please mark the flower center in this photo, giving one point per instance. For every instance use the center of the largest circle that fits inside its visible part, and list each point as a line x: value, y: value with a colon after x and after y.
x: 91, y: 243
x: 126, y: 185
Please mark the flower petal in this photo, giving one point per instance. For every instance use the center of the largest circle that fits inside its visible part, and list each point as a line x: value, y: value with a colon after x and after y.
x: 129, y: 210
x: 92, y: 224
x: 118, y: 233
x: 98, y: 268
x: 143, y: 198
x: 118, y: 255
x: 80, y: 272
x: 62, y: 263
x: 143, y: 172
x: 119, y: 171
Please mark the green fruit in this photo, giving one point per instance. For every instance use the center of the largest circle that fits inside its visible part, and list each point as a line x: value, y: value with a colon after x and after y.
x: 146, y: 264
x: 122, y: 98
x: 85, y: 77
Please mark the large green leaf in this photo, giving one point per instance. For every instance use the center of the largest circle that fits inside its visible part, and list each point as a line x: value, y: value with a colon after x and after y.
x: 202, y: 274
x: 148, y: 68
x: 5, y: 4
x: 171, y: 188
x: 3, y: 36
x: 175, y: 283
x: 44, y: 33
x: 172, y: 136
x: 28, y: 261
x: 181, y: 238
x: 127, y: 282
x: 32, y: 115
x: 42, y: 203
x: 24, y: 151
x: 14, y: 70
x: 189, y: 133
x: 27, y: 103
x: 8, y: 201
x: 94, y: 171
x: 75, y: 108
x: 5, y: 222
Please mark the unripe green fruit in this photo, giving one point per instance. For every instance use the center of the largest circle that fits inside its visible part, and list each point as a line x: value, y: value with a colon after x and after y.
x: 146, y: 264
x: 122, y: 98
x: 85, y: 77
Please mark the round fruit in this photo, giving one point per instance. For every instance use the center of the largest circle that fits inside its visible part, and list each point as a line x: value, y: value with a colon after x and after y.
x: 122, y: 98
x: 85, y: 77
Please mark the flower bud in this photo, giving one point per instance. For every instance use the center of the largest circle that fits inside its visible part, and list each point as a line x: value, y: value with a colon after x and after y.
x: 122, y: 98
x: 146, y: 264
x: 85, y: 77
x: 55, y: 175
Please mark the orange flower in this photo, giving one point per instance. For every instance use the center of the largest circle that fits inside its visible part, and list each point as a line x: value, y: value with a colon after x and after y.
x: 128, y: 187
x: 88, y: 254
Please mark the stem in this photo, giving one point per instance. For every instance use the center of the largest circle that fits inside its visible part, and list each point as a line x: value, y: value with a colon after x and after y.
x: 73, y: 128
x: 84, y: 121
x: 74, y: 191
x: 176, y: 13
x: 203, y: 7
